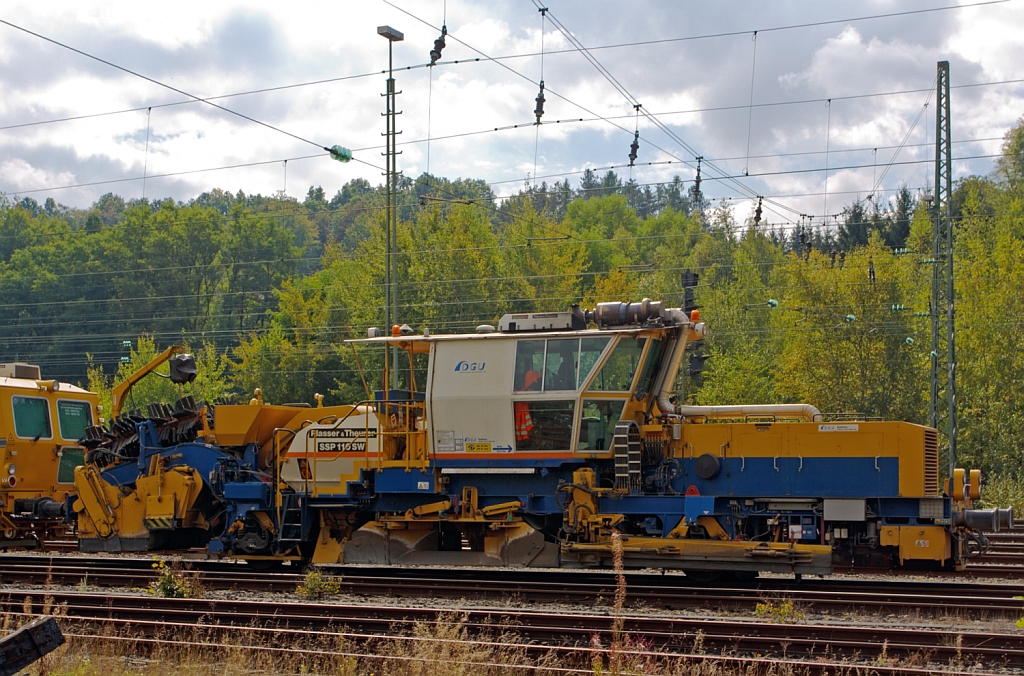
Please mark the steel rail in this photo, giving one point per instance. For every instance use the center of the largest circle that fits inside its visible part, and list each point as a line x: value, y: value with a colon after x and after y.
x: 656, y: 591
x: 651, y: 591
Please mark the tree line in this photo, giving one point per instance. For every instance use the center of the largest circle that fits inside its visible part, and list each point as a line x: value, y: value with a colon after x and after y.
x: 265, y: 289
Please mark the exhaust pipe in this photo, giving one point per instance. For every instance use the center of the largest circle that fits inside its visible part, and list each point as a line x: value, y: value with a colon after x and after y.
x: 805, y: 411
x: 696, y: 332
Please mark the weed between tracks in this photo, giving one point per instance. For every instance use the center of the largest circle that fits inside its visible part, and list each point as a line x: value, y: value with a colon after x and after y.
x: 781, y: 609
x: 175, y: 581
x: 317, y: 585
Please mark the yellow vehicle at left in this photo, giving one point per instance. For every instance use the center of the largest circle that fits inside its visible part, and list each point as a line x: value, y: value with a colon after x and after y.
x: 41, y: 423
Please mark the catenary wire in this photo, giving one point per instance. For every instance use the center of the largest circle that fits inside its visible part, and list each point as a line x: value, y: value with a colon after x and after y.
x: 167, y: 86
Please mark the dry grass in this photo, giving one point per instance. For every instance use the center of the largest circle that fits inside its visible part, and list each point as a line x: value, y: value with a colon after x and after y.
x: 443, y: 647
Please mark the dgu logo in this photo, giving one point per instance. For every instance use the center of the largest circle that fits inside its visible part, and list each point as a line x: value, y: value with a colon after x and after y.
x: 464, y: 366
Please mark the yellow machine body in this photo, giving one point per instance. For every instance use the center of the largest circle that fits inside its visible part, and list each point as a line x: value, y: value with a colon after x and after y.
x: 41, y: 423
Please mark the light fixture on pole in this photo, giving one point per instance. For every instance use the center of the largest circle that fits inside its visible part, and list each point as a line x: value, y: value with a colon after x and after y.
x: 391, y: 227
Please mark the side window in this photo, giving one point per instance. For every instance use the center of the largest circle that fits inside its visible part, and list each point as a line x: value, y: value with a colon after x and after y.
x: 529, y: 366
x: 647, y: 375
x: 73, y: 417
x: 590, y: 353
x: 597, y: 424
x: 70, y: 458
x: 560, y: 365
x: 617, y: 373
x: 543, y: 425
x: 31, y: 417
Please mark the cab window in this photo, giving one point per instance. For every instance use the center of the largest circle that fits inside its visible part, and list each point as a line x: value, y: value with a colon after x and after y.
x: 31, y: 417
x: 73, y: 417
x: 560, y: 364
x: 617, y: 373
x: 597, y: 424
x: 70, y: 458
x: 529, y: 374
x: 590, y: 354
x: 647, y: 375
x: 543, y: 425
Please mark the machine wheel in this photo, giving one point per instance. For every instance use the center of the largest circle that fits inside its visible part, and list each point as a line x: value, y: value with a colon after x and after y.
x: 704, y: 576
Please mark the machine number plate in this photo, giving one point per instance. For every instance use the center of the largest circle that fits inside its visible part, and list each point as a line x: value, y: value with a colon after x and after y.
x: 838, y: 428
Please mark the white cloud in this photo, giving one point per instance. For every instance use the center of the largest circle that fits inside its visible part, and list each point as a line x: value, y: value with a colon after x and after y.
x: 233, y: 46
x: 23, y: 176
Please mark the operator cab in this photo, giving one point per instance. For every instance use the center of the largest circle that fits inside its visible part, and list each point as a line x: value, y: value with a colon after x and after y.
x: 544, y: 388
x: 41, y: 425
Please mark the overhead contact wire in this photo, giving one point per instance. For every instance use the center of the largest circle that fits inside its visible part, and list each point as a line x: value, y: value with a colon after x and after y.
x: 166, y: 86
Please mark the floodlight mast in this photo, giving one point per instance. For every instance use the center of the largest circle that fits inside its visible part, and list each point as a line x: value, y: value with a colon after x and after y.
x: 391, y: 227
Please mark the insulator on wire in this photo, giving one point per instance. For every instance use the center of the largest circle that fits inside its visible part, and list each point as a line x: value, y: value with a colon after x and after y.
x: 339, y: 153
x: 842, y: 259
x: 435, y: 53
x: 539, y: 110
x: 696, y: 181
x: 871, y: 271
x: 633, y: 147
x: 832, y: 258
x: 757, y: 212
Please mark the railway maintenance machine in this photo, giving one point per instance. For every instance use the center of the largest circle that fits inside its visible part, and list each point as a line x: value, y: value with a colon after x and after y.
x: 41, y: 422
x: 552, y: 439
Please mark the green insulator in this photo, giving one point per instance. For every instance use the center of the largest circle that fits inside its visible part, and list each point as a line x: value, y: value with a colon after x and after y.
x: 339, y: 153
x: 773, y: 303
x: 910, y: 341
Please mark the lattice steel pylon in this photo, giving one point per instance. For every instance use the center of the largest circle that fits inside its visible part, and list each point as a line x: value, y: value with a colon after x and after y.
x: 943, y: 356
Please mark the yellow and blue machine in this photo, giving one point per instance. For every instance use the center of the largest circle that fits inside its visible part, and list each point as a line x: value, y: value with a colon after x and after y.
x: 41, y: 423
x: 538, y: 442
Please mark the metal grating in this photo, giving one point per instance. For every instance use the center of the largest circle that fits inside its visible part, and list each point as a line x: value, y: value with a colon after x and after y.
x: 628, y: 446
x: 931, y: 462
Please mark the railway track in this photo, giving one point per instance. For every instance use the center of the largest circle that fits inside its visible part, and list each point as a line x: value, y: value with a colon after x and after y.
x: 1004, y: 559
x: 218, y: 620
x: 589, y: 588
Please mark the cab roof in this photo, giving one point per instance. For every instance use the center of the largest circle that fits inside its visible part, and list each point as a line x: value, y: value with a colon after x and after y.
x: 34, y: 386
x: 421, y: 344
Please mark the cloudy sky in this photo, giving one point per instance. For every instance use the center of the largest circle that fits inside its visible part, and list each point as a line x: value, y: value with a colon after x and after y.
x: 852, y: 78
